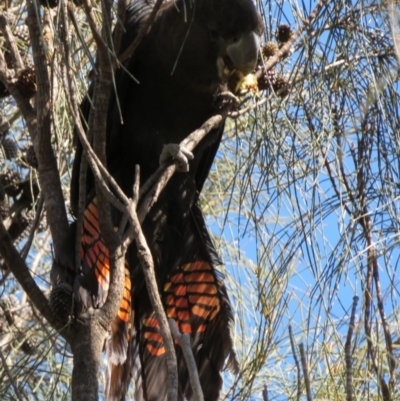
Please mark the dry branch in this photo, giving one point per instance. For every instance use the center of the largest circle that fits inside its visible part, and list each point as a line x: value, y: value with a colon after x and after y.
x: 184, y: 341
x: 348, y: 353
x: 21, y: 272
x: 306, y: 375
x: 147, y: 265
x: 296, y: 361
x: 49, y: 176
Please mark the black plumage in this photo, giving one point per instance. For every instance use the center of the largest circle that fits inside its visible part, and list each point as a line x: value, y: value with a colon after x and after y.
x: 180, y: 66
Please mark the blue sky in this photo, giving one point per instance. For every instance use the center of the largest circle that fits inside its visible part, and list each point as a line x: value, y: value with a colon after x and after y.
x: 290, y: 236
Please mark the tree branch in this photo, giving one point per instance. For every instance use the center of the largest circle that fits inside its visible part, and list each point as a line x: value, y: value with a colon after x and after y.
x: 305, y: 371
x: 184, y: 341
x: 348, y: 354
x: 21, y: 272
x: 296, y: 361
x: 6, y: 31
x: 41, y: 137
x: 286, y: 47
x: 147, y: 264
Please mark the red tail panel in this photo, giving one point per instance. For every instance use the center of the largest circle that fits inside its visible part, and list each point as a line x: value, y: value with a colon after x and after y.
x: 95, y: 266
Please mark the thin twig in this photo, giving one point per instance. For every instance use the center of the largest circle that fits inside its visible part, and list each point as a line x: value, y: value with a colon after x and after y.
x: 184, y: 341
x: 99, y: 171
x: 296, y: 361
x: 286, y: 47
x: 348, y: 353
x: 385, y: 325
x: 35, y: 223
x: 101, y: 46
x: 265, y: 393
x: 147, y: 264
x: 366, y: 223
x: 305, y: 371
x: 13, y: 383
x: 336, y: 64
x: 71, y: 99
x: 333, y: 182
x: 119, y: 27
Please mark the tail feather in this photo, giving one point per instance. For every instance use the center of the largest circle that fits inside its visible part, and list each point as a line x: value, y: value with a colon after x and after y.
x: 95, y: 259
x: 196, y: 299
x: 117, y: 343
x: 193, y: 295
x: 93, y: 286
x: 118, y: 378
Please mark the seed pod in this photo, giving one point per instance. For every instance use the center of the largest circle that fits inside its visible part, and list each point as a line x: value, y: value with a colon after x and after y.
x: 42, y: 226
x: 267, y: 79
x: 21, y: 32
x: 26, y: 83
x: 26, y: 219
x: 10, y: 181
x: 27, y: 347
x: 61, y: 301
x: 281, y: 83
x: 30, y: 157
x: 283, y: 33
x: 270, y: 49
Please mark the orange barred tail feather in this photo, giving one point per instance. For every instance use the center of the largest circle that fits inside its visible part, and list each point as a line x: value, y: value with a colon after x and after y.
x: 193, y: 295
x: 196, y: 299
x: 117, y: 343
x: 118, y: 371
x: 93, y: 291
x: 95, y: 262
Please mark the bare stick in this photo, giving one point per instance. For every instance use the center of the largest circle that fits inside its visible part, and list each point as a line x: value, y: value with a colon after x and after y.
x: 184, y: 341
x: 101, y: 46
x: 99, y: 171
x: 385, y: 324
x: 305, y: 371
x: 147, y: 264
x: 21, y: 272
x: 265, y: 393
x: 296, y: 361
x: 38, y: 215
x: 348, y: 354
x: 49, y: 176
x: 366, y: 223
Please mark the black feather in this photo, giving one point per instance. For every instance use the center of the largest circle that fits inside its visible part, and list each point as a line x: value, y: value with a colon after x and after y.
x: 178, y: 67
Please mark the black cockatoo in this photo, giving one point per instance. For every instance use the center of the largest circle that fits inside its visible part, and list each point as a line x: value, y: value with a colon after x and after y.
x: 179, y: 67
